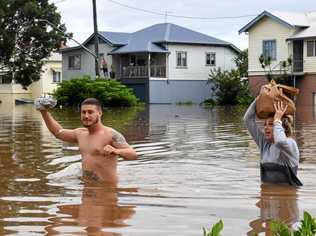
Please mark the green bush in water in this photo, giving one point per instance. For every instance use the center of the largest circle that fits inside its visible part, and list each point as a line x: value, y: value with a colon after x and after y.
x: 307, y: 228
x: 215, y: 230
x: 229, y: 88
x: 109, y: 92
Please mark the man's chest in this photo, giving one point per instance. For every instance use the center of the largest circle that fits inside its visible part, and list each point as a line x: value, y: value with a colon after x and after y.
x: 93, y: 144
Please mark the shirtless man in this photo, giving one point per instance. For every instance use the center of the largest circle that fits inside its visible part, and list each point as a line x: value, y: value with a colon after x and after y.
x: 99, y: 145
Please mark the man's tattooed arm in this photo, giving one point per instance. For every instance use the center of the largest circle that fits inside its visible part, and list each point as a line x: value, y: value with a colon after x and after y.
x: 123, y: 148
x: 118, y: 138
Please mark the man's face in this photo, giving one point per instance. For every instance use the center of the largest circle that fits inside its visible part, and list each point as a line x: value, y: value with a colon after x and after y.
x: 268, y: 129
x: 90, y: 115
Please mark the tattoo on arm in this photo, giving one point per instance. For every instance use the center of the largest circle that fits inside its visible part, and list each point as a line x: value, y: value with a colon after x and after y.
x: 118, y: 138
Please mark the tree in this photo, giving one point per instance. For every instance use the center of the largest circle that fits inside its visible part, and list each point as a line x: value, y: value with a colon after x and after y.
x: 241, y: 61
x: 26, y: 39
x: 282, y: 75
x: 229, y: 88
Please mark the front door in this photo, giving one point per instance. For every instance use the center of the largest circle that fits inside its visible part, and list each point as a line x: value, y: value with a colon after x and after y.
x: 298, y: 56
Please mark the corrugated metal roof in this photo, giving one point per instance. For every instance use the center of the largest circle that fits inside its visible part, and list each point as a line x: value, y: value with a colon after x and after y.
x: 151, y: 38
x: 308, y: 32
x: 305, y: 21
x: 293, y: 18
x: 116, y: 38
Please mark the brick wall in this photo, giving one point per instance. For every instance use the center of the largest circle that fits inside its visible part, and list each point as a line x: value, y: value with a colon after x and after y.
x: 307, y: 86
x: 255, y: 83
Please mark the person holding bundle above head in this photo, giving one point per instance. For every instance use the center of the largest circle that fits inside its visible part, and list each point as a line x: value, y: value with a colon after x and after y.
x: 278, y: 148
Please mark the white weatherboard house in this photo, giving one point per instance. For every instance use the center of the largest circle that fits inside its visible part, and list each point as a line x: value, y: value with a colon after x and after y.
x: 163, y: 63
x: 281, y: 35
x: 50, y: 77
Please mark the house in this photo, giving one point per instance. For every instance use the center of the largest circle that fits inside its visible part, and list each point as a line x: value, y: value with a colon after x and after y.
x: 50, y: 77
x: 163, y: 63
x: 283, y: 35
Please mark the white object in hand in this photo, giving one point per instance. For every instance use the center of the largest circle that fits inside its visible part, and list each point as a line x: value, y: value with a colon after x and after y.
x: 44, y: 102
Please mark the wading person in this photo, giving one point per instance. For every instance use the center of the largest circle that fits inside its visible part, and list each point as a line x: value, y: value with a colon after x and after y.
x: 278, y: 150
x: 99, y: 145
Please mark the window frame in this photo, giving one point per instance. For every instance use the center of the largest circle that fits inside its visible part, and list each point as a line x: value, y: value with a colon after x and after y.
x: 210, y: 54
x: 313, y: 51
x: 274, y: 53
x: 59, y: 77
x: 74, y: 67
x: 182, y: 65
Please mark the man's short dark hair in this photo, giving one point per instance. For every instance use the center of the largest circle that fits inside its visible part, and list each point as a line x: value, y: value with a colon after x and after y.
x: 92, y: 101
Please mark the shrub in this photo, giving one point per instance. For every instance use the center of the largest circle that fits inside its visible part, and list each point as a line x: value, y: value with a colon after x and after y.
x: 229, y: 88
x: 215, y: 230
x: 307, y: 228
x: 109, y: 92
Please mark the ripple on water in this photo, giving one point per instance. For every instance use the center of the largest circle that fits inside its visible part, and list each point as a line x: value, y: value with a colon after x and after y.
x: 195, y: 166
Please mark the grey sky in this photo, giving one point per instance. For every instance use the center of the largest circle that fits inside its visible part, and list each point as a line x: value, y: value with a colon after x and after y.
x: 77, y: 15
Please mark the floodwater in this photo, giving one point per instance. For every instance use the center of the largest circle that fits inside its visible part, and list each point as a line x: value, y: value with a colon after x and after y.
x: 195, y: 167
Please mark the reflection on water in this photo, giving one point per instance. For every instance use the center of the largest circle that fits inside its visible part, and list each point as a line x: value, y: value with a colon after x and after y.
x: 275, y: 203
x: 196, y: 166
x: 99, y: 208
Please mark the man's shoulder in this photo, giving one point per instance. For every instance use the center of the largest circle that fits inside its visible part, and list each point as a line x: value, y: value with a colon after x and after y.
x: 80, y: 130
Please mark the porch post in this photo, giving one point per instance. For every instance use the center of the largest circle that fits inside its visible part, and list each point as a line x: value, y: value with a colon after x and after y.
x: 148, y: 64
x: 120, y: 73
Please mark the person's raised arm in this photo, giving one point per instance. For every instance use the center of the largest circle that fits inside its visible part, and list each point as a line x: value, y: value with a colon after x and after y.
x: 280, y: 138
x: 251, y: 125
x: 120, y: 147
x: 56, y: 129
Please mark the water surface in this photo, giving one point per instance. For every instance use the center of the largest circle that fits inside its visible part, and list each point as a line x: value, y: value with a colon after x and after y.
x: 195, y: 166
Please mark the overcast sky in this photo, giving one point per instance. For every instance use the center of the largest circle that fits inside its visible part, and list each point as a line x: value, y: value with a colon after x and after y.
x: 77, y: 15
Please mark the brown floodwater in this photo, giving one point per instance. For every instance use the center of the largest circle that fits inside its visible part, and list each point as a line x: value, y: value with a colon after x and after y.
x: 195, y: 166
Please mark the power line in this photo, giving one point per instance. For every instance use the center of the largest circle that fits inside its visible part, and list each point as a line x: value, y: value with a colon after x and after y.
x: 171, y: 15
x: 60, y: 1
x: 180, y: 16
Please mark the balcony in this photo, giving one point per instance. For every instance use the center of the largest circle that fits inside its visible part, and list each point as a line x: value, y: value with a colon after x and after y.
x: 158, y: 71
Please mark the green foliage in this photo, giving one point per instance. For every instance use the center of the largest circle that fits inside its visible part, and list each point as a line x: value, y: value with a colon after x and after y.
x: 307, y: 227
x: 228, y: 87
x: 281, y: 75
x: 280, y: 229
x: 109, y: 92
x: 215, y: 230
x: 241, y: 61
x: 25, y: 41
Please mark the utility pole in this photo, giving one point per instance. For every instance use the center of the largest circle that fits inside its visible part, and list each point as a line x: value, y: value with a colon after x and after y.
x: 96, y: 38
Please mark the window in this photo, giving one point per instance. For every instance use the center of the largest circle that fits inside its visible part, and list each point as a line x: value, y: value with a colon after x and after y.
x: 74, y: 62
x: 56, y: 77
x: 269, y: 49
x: 181, y: 59
x: 132, y: 60
x: 210, y: 59
x: 311, y: 48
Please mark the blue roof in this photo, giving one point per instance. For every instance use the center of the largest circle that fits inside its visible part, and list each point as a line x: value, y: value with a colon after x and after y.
x: 115, y: 38
x: 151, y: 38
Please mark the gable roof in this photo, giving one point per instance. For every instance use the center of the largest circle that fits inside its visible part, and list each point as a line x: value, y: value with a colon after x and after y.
x: 288, y: 19
x: 151, y: 39
x: 112, y: 38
